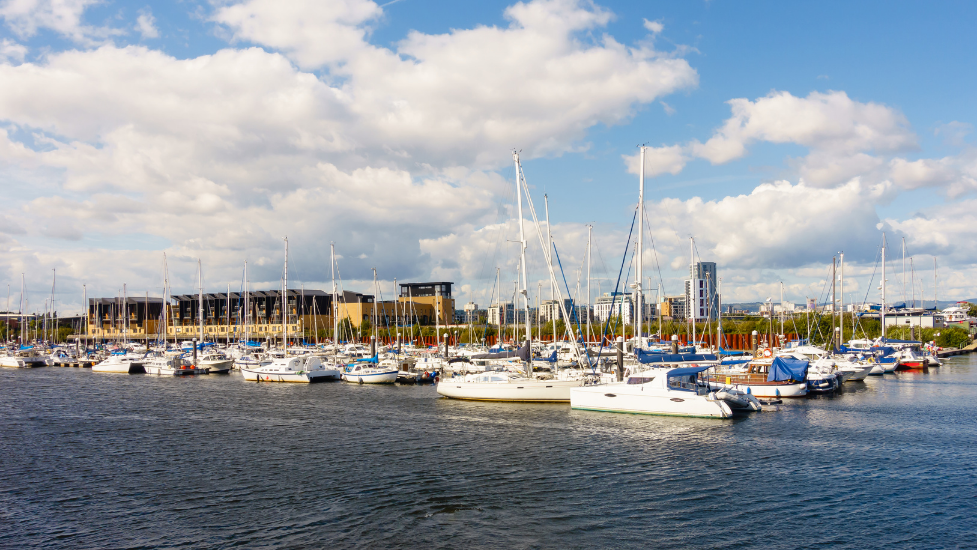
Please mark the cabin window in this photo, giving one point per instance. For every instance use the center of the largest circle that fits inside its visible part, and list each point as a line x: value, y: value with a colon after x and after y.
x: 640, y: 379
x: 683, y: 383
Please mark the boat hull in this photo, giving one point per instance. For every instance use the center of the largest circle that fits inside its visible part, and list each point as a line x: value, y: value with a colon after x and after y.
x: 297, y: 377
x: 536, y: 391
x: 372, y: 378
x: 634, y: 399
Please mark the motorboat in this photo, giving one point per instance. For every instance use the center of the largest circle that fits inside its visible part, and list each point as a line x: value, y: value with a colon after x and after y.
x: 506, y: 386
x: 216, y: 362
x: 768, y: 379
x: 13, y: 362
x: 171, y: 365
x: 670, y: 392
x: 120, y: 364
x: 301, y: 369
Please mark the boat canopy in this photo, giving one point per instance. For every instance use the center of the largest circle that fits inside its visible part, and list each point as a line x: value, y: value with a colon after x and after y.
x: 686, y: 371
x: 649, y: 357
x: 785, y: 368
x: 891, y: 341
x: 374, y: 359
x: 883, y: 350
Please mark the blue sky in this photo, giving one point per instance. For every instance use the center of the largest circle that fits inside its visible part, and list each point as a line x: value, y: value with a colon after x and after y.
x: 901, y: 72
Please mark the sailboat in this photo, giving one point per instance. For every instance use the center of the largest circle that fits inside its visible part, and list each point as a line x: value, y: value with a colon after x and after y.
x: 163, y: 363
x: 302, y: 368
x: 507, y: 386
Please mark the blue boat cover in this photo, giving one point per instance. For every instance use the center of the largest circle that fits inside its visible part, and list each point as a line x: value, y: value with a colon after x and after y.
x: 551, y: 358
x: 686, y: 371
x: 785, y: 368
x: 373, y: 359
x: 522, y: 353
x: 884, y: 350
x: 649, y: 357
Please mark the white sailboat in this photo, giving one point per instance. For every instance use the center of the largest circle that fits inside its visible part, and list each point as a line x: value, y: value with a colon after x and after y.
x: 495, y: 386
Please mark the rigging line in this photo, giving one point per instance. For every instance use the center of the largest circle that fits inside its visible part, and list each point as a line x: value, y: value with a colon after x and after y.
x: 654, y: 249
x: 624, y: 260
x: 575, y: 317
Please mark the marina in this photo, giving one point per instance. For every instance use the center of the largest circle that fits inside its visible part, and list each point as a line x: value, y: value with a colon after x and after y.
x: 81, y: 467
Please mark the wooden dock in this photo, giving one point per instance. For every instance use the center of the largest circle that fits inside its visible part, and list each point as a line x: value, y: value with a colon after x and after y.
x: 957, y: 351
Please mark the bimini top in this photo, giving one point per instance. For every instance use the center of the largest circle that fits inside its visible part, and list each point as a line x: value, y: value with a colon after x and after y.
x: 686, y: 371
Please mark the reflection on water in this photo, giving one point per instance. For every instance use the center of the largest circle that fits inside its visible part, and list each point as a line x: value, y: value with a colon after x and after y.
x: 92, y: 460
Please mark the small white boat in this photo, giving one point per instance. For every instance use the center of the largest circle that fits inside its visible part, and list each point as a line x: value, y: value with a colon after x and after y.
x: 506, y: 386
x: 12, y: 362
x: 304, y: 369
x: 216, y: 362
x: 120, y: 364
x: 172, y: 365
x: 672, y: 392
x: 367, y: 373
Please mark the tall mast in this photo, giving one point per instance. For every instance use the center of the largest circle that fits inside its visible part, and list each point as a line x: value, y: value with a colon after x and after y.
x: 227, y: 312
x: 834, y: 298
x: 936, y: 283
x: 904, y: 270
x: 396, y: 324
x: 522, y: 258
x: 125, y: 313
x: 54, y: 320
x: 200, y: 299
x: 638, y: 276
x: 247, y: 306
x: 84, y: 291
x: 285, y: 301
x: 498, y: 303
x: 882, y: 310
x: 376, y: 294
x: 841, y: 307
x: 781, y: 309
x: 719, y: 303
x: 590, y: 231
x: 692, y: 298
x: 166, y: 290
x: 549, y: 245
x: 335, y: 299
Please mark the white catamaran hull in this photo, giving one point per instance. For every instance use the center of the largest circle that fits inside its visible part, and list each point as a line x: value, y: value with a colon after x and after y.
x: 633, y: 398
x: 529, y: 390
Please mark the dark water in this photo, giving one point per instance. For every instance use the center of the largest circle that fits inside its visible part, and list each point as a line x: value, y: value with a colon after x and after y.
x: 108, y: 461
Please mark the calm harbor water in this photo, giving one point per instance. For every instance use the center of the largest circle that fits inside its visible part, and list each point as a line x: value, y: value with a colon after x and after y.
x: 115, y: 461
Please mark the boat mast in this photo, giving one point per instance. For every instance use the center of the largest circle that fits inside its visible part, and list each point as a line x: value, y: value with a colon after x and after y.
x: 692, y: 298
x: 200, y: 299
x: 903, y: 270
x: 84, y: 292
x: 54, y: 319
x: 247, y: 306
x: 841, y: 318
x: 335, y: 300
x: 498, y: 304
x: 285, y: 301
x: 375, y: 295
x: 227, y: 312
x: 882, y: 310
x: 719, y: 300
x: 549, y: 245
x: 834, y: 297
x: 166, y: 289
x: 396, y: 315
x: 638, y: 296
x: 936, y: 282
x: 522, y: 262
x: 125, y: 313
x: 590, y: 231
